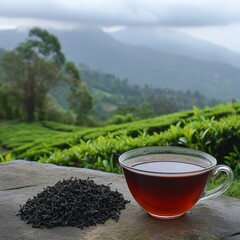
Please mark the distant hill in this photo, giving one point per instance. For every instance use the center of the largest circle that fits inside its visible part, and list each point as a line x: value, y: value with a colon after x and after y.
x: 114, y: 95
x: 175, y: 42
x: 143, y: 65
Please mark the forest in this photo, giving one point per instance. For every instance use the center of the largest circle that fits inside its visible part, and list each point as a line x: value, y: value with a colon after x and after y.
x: 37, y: 82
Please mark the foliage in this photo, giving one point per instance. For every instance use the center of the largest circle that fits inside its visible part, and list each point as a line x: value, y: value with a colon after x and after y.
x: 60, y: 126
x: 208, y: 136
x: 233, y: 160
x: 9, y: 106
x: 81, y: 102
x: 79, y: 98
x: 118, y: 118
x: 6, y: 158
x: 32, y: 69
x: 30, y: 72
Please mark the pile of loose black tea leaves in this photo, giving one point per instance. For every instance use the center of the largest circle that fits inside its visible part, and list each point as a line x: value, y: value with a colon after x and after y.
x: 73, y: 202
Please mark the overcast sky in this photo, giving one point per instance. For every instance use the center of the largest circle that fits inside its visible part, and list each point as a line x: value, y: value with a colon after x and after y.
x: 214, y: 20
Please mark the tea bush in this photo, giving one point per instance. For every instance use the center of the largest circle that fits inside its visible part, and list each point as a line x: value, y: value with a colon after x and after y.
x: 196, y: 128
x: 60, y: 126
x: 218, y: 138
x: 29, y: 141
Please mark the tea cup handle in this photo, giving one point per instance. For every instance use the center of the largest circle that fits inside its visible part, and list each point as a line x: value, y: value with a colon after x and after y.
x: 223, y: 187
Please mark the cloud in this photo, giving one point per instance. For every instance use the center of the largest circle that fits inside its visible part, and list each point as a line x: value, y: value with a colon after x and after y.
x: 173, y: 13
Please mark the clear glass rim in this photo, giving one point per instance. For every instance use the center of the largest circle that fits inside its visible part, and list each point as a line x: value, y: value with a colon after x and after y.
x: 202, y: 156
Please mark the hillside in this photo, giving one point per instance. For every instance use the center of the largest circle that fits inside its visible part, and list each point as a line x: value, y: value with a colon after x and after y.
x: 142, y: 65
x: 120, y: 94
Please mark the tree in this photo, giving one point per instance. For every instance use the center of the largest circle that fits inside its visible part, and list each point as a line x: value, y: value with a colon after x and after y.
x: 146, y: 110
x: 81, y: 101
x: 32, y: 69
x: 162, y: 105
x: 8, y: 105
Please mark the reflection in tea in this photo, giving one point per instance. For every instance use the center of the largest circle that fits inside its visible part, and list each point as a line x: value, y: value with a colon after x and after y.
x: 166, y: 195
x: 168, y: 167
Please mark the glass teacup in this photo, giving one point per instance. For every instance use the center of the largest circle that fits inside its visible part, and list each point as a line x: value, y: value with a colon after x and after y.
x: 168, y: 181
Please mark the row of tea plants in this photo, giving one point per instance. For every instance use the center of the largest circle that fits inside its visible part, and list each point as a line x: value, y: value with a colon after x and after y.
x: 221, y: 138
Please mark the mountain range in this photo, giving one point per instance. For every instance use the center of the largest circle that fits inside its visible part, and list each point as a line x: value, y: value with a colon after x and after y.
x: 158, y: 59
x: 174, y: 42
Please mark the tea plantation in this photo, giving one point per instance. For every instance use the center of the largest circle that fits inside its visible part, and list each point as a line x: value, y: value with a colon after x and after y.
x: 214, y: 130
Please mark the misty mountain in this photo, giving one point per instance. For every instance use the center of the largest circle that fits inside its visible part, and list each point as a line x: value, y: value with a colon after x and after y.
x: 175, y: 42
x: 142, y: 65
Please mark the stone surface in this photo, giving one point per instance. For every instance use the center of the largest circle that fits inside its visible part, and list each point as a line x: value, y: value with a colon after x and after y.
x: 19, y: 180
